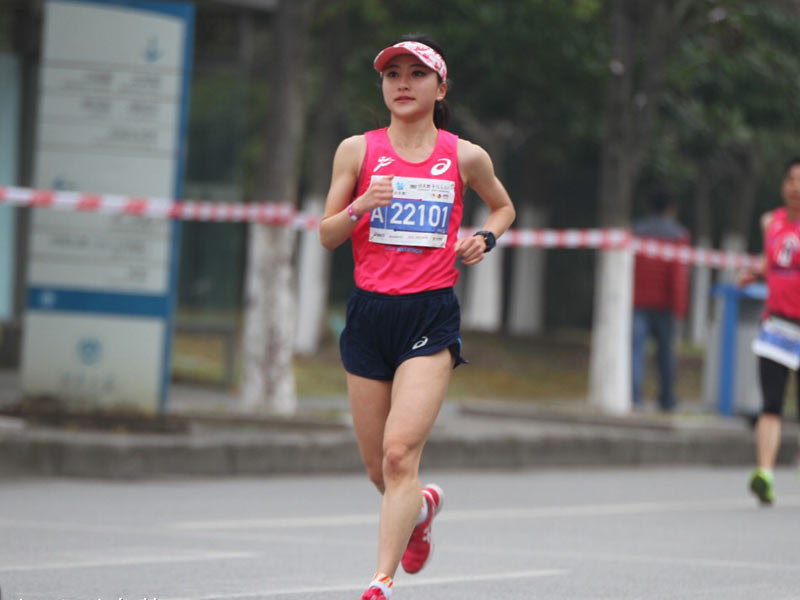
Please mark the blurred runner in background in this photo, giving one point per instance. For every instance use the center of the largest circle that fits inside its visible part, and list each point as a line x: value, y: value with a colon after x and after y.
x: 778, y: 341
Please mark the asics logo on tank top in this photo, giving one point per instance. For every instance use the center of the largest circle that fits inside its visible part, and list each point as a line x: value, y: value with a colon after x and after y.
x: 441, y: 166
x: 383, y: 161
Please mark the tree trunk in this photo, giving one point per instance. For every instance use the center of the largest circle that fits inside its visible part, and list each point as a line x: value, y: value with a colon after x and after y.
x: 483, y: 296
x: 643, y: 34
x: 609, y: 361
x: 527, y: 286
x: 742, y: 215
x: 738, y: 227
x: 269, y: 300
x: 701, y: 274
x: 526, y: 313
x: 484, y: 288
x: 269, y: 314
x: 610, y: 364
x: 313, y: 267
x: 610, y: 358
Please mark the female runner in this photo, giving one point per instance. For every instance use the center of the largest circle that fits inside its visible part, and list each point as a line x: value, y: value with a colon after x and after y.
x: 778, y: 341
x: 396, y: 193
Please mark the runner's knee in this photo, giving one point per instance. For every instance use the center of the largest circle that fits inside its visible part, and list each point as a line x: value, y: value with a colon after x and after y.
x: 398, y: 461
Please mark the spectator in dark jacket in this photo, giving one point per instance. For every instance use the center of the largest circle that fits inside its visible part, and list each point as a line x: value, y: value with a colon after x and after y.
x: 659, y: 297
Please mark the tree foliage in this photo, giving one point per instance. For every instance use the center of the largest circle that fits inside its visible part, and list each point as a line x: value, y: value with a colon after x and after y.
x: 731, y: 108
x: 535, y: 73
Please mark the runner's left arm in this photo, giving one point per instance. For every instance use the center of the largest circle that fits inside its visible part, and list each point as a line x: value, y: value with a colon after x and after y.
x: 478, y: 173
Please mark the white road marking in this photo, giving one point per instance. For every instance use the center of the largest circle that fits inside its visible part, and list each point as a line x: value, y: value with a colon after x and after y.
x: 601, y: 510
x: 178, y: 533
x: 72, y: 526
x: 546, y: 512
x: 685, y: 561
x: 281, y: 522
x: 624, y: 558
x: 360, y: 586
x: 128, y: 561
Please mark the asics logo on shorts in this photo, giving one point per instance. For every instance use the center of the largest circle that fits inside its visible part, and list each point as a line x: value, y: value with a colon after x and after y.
x: 441, y: 166
x: 420, y: 342
x: 383, y: 161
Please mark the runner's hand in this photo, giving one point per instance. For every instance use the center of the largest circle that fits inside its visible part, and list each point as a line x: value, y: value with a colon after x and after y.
x: 378, y: 194
x: 746, y: 277
x: 471, y: 249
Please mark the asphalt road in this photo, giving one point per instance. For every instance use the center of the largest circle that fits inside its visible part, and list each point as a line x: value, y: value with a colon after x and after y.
x: 574, y: 534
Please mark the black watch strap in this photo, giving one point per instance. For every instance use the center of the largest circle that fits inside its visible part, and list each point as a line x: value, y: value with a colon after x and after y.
x: 491, y: 241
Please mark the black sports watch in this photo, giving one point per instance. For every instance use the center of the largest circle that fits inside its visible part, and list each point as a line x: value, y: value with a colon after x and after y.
x: 491, y: 241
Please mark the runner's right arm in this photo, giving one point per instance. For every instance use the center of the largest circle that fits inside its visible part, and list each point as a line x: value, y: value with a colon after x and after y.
x: 336, y: 225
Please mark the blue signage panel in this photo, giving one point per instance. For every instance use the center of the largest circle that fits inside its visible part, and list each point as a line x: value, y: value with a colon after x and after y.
x: 112, y: 119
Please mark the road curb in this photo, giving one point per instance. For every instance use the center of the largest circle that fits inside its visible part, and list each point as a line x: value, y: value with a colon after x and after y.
x: 132, y: 456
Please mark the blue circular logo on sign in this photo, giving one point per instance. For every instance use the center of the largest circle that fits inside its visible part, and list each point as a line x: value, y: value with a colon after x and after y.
x: 90, y: 350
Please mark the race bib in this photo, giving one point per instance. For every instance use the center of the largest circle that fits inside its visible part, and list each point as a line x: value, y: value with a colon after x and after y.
x: 419, y: 214
x: 779, y: 340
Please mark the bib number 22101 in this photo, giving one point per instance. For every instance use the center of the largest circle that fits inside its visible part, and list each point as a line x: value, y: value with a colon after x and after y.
x: 419, y: 214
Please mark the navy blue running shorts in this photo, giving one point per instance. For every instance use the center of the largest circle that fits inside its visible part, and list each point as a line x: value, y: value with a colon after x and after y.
x: 382, y: 330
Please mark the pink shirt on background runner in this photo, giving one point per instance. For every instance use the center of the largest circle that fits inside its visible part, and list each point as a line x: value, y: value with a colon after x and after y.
x: 391, y: 269
x: 782, y: 250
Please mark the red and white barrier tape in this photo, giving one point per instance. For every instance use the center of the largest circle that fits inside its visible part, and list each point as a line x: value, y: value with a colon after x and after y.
x: 564, y: 238
x: 694, y: 255
x: 284, y: 214
x: 268, y: 213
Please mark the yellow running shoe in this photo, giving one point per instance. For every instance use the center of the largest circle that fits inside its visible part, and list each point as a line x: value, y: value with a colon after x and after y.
x: 762, y: 484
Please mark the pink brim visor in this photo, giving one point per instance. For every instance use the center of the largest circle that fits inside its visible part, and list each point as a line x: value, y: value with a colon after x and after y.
x: 427, y: 55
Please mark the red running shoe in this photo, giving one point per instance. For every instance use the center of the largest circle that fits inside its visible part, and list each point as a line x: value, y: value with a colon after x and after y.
x: 373, y: 593
x: 420, y: 545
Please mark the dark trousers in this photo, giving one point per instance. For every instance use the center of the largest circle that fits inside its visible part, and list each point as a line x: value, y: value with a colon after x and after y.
x: 659, y: 325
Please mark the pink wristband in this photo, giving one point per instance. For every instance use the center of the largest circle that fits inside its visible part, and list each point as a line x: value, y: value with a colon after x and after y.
x: 351, y: 213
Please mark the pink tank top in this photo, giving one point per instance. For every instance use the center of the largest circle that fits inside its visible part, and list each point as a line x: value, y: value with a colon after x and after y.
x: 407, y: 247
x: 782, y: 249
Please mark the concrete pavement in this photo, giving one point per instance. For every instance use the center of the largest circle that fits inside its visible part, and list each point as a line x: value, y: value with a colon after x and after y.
x: 204, y: 435
x: 651, y: 533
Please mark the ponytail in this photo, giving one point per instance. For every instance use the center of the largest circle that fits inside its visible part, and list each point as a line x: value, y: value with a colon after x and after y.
x: 441, y: 114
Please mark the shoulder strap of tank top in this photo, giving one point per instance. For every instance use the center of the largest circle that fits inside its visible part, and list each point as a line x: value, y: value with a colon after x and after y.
x: 448, y: 142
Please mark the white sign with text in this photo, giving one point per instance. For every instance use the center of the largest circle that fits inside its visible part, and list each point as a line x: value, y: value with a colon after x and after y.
x: 113, y: 97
